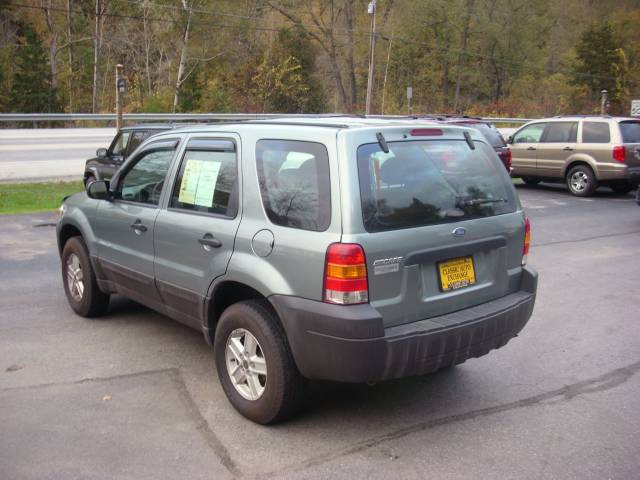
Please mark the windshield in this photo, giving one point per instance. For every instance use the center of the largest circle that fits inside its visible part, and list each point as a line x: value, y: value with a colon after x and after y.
x: 630, y: 132
x: 431, y: 182
x: 490, y: 133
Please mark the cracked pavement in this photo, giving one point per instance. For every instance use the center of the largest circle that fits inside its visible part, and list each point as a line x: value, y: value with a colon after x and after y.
x: 135, y: 395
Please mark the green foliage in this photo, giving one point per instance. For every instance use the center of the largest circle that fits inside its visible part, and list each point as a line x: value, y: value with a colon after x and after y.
x: 601, y: 62
x: 191, y: 93
x: 31, y: 87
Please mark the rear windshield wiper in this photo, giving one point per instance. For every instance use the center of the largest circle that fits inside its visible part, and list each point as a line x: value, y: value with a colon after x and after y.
x: 469, y: 202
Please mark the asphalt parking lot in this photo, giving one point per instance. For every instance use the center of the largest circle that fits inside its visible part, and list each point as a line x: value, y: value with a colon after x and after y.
x: 135, y: 395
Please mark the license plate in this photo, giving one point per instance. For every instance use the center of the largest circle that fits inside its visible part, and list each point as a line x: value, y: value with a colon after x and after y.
x: 456, y: 273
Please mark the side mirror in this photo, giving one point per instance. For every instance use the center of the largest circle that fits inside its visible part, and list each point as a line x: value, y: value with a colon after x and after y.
x: 101, y: 152
x: 98, y: 190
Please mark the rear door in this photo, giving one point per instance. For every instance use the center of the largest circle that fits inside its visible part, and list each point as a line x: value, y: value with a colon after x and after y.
x: 557, y: 144
x: 194, y: 236
x: 524, y: 149
x: 444, y: 229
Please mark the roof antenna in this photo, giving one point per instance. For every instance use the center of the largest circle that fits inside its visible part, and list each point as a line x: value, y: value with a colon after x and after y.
x: 382, y: 142
x: 467, y: 137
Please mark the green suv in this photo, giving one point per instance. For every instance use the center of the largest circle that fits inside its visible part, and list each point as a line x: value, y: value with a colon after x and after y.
x: 345, y: 249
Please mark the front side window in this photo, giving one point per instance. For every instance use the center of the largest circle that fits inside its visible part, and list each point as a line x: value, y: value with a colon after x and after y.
x: 595, y: 132
x: 431, y: 182
x: 530, y: 134
x: 207, y: 183
x: 120, y: 143
x: 294, y: 183
x: 144, y: 181
x: 561, y: 132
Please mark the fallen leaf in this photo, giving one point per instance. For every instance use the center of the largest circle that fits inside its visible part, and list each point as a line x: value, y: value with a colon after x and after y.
x: 14, y: 368
x: 106, y: 398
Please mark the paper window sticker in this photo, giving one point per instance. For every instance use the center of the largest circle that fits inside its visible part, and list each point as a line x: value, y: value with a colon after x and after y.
x: 207, y: 183
x: 189, y: 184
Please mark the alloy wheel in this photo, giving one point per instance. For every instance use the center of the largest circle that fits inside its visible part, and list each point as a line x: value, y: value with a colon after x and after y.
x: 246, y: 364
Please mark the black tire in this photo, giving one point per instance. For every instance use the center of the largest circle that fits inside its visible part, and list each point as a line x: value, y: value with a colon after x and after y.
x: 284, y: 386
x: 531, y: 181
x: 89, y: 180
x: 93, y: 302
x: 587, y: 184
x: 621, y: 188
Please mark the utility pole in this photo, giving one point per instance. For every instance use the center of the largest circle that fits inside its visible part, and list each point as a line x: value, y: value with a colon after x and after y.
x: 119, y: 93
x: 371, y: 9
x: 604, y: 102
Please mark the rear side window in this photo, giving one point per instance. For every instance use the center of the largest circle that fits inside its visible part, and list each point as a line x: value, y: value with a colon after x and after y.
x: 491, y: 134
x: 431, y: 182
x: 558, y: 132
x: 294, y: 183
x: 595, y: 132
x: 136, y: 139
x: 630, y: 132
x: 207, y: 181
x: 530, y: 134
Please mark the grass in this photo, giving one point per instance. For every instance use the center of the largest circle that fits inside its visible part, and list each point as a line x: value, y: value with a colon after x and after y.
x: 35, y: 197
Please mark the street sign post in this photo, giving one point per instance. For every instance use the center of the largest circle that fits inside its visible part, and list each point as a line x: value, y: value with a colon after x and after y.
x: 409, y: 97
x: 635, y: 108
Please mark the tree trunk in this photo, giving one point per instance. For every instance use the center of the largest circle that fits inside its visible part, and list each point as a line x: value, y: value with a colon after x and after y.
x: 70, y: 57
x: 463, y: 52
x: 147, y: 48
x: 183, y: 56
x: 348, y: 11
x: 53, y: 45
x: 97, y: 41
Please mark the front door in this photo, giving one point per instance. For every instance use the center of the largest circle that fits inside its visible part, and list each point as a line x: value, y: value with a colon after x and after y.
x: 124, y: 226
x: 524, y: 149
x: 194, y: 236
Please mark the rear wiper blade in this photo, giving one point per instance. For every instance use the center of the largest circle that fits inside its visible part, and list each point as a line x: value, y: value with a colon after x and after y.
x: 479, y: 201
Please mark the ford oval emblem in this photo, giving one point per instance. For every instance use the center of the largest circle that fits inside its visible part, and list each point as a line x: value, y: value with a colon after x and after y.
x: 459, y: 232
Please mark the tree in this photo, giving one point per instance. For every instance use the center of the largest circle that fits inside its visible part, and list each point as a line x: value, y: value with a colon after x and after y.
x: 601, y: 63
x: 31, y: 87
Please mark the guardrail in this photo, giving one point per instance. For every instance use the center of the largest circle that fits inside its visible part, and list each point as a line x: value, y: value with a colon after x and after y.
x: 181, y: 117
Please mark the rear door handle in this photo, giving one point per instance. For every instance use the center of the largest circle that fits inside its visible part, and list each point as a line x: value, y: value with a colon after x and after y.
x: 138, y: 227
x: 208, y: 242
x: 531, y: 148
x: 568, y: 149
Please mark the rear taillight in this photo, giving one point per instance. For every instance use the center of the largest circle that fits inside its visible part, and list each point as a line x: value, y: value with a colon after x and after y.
x: 345, y: 275
x: 619, y: 153
x: 509, y: 159
x: 527, y: 240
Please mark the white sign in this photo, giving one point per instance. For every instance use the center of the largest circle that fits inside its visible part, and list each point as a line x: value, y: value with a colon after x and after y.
x: 409, y: 92
x: 635, y: 108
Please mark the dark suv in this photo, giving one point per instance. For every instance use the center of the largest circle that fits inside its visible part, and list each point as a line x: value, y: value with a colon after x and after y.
x: 108, y: 160
x: 487, y: 129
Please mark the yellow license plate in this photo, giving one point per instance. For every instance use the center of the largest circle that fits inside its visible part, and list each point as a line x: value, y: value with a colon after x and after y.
x: 456, y: 273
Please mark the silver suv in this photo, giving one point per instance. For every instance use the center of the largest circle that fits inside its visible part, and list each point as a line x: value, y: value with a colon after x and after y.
x: 584, y: 152
x: 354, y: 250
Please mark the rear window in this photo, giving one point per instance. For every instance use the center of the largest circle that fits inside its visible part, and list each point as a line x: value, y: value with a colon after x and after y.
x: 431, y: 182
x: 595, y: 132
x: 294, y: 183
x: 490, y: 133
x: 630, y: 132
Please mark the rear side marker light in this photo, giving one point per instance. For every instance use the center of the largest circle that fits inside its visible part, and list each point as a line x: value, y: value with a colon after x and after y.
x: 619, y: 153
x: 345, y: 275
x: 527, y: 240
x: 425, y: 132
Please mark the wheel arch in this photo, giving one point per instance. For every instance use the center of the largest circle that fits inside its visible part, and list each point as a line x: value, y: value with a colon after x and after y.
x: 66, y: 232
x: 222, y: 295
x: 580, y: 160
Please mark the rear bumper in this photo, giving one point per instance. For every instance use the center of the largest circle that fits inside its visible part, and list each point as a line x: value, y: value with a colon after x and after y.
x: 350, y: 344
x: 620, y: 172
